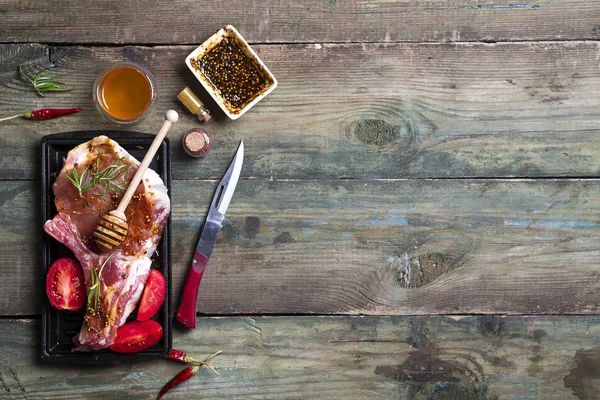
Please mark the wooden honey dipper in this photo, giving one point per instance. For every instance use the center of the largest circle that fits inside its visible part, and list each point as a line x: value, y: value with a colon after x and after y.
x: 112, y: 227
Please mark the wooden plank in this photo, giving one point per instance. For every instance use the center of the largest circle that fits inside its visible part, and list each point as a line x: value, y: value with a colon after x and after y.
x: 363, y: 247
x: 354, y: 111
x: 187, y: 21
x: 474, y: 358
x: 20, y: 247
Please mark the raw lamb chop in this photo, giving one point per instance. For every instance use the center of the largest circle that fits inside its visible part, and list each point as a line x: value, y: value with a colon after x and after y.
x: 122, y: 272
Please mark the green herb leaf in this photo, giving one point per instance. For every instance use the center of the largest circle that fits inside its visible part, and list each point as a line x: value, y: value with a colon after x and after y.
x: 79, y: 181
x: 43, y: 83
x: 108, y: 178
x: 111, y: 178
x: 95, y: 277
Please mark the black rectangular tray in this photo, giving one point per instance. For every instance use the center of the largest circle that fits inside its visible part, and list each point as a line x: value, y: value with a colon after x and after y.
x: 59, y: 327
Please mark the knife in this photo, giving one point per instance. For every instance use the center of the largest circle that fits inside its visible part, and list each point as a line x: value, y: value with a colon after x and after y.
x: 186, y: 313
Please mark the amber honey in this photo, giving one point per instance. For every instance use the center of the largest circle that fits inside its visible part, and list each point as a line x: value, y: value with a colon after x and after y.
x: 125, y: 93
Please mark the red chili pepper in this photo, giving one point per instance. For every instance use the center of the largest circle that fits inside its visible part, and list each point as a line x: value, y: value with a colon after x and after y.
x: 45, y: 113
x: 177, y: 355
x: 181, y: 356
x: 178, y: 379
x: 188, y: 372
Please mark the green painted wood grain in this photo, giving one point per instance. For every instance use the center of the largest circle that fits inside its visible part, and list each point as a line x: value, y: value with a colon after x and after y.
x: 350, y: 111
x: 187, y: 21
x: 363, y: 247
x: 468, y: 358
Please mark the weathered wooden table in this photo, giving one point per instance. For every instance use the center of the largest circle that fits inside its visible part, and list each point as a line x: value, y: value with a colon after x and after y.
x: 418, y: 211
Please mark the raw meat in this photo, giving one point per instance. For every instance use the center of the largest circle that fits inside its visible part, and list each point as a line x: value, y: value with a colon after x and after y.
x: 124, y: 275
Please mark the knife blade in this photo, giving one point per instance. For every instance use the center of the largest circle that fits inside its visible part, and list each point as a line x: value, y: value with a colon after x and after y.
x: 186, y: 312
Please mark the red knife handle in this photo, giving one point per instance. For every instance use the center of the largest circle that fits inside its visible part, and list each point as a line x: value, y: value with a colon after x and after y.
x: 186, y: 313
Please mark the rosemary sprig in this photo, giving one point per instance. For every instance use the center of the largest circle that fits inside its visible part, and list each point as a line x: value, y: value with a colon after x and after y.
x: 108, y: 177
x: 79, y: 181
x: 43, y: 83
x: 106, y: 180
x: 95, y: 277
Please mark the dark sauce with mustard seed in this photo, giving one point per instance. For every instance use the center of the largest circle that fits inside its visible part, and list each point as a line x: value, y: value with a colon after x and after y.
x: 235, y: 75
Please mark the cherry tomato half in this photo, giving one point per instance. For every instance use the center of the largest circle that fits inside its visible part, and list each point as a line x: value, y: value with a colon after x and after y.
x: 153, y: 297
x: 137, y: 336
x: 65, y: 285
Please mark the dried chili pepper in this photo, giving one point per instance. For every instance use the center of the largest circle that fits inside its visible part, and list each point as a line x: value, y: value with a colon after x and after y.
x: 179, y: 379
x: 180, y: 356
x: 45, y: 113
x: 188, y: 372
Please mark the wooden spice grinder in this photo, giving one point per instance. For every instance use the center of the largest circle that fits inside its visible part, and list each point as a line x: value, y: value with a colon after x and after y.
x: 112, y: 227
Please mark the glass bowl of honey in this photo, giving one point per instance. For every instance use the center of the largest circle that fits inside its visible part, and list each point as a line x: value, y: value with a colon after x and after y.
x: 125, y: 93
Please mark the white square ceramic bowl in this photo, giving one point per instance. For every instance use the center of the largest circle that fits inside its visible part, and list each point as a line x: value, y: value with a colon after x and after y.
x: 230, y: 31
